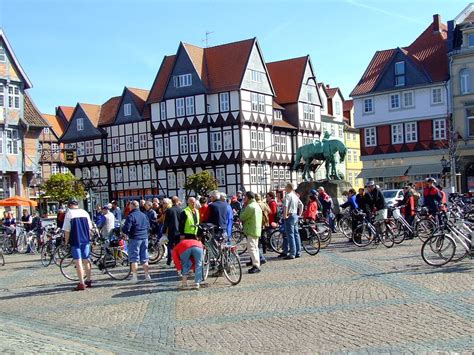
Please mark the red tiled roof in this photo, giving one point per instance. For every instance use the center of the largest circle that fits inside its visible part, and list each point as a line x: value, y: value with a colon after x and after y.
x: 32, y: 115
x: 139, y: 97
x: 56, y: 124
x: 108, y: 111
x: 276, y: 106
x: 283, y: 124
x: 428, y: 52
x: 67, y: 111
x: 287, y: 77
x: 93, y: 112
x: 159, y: 85
x: 196, y: 54
x: 332, y: 92
x: 348, y: 105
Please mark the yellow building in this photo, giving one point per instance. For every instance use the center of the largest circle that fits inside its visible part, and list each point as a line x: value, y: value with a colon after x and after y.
x: 461, y: 54
x: 352, y: 142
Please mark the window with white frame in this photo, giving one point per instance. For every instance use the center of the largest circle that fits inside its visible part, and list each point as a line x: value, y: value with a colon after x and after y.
x: 394, y: 101
x: 397, y: 133
x: 261, y: 103
x: 253, y: 175
x: 311, y: 115
x: 171, y: 180
x: 89, y: 147
x: 163, y: 110
x: 260, y: 176
x: 190, y: 105
x: 95, y: 172
x: 341, y: 131
x: 3, y: 56
x: 80, y: 123
x: 310, y: 94
x: 436, y: 96
x: 127, y: 109
x: 181, y: 179
x: 166, y: 146
x: 55, y: 148
x: 400, y: 73
x: 86, y: 173
x: 80, y: 148
x: 282, y: 174
x: 408, y: 99
x: 64, y: 169
x: 349, y: 156
x: 183, y: 144
x: 216, y: 141
x: 261, y: 140
x: 220, y: 176
x: 184, y: 80
x: 470, y: 122
x: 54, y: 169
x: 411, y: 132
x: 46, y: 131
x: 115, y: 145
x: 2, y: 95
x: 368, y: 105
x: 143, y: 140
x: 180, y: 109
x: 228, y: 140
x: 132, y: 173
x: 11, y: 141
x: 253, y: 140
x: 129, y: 143
x: 193, y: 143
x: 333, y: 130
x: 464, y: 81
x: 439, y: 129
x: 283, y: 144
x: 159, y: 147
x: 13, y: 96
x: 146, y: 172
x: 118, y: 174
x: 254, y: 100
x: 305, y: 111
x: 257, y: 76
x: 224, y: 101
x: 277, y: 115
x: 338, y: 107
x: 276, y: 143
x: 370, y: 134
x: 287, y: 175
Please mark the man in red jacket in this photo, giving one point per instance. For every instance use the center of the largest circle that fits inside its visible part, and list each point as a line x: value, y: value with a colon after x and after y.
x: 187, y: 255
x: 273, y: 208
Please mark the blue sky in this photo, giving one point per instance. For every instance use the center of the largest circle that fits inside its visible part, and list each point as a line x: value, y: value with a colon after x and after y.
x: 87, y: 51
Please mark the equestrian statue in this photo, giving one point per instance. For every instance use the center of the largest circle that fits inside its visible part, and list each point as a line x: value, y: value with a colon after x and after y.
x: 324, y: 150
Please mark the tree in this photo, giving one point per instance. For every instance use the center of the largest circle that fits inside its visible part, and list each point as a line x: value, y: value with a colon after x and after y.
x: 201, y: 183
x: 60, y: 187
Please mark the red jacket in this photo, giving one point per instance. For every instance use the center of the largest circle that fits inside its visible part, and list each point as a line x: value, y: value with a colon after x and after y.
x: 273, y: 212
x: 180, y: 248
x: 312, y: 211
x: 204, y: 213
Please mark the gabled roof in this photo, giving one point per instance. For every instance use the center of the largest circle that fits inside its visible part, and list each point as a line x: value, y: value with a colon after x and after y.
x: 55, y: 123
x: 159, y: 85
x: 32, y: 115
x: 428, y: 52
x: 67, y: 111
x: 92, y: 111
x: 15, y: 60
x: 196, y: 54
x: 108, y: 111
x: 139, y: 97
x: 348, y: 105
x: 322, y: 86
x: 287, y: 78
x: 333, y: 91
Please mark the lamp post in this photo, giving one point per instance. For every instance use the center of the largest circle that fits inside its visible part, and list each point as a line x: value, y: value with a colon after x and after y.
x: 446, y: 164
x: 264, y: 165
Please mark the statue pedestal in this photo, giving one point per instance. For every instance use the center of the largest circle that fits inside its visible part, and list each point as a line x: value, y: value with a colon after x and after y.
x: 334, y: 188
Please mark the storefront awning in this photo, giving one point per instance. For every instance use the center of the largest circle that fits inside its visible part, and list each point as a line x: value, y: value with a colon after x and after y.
x: 425, y: 169
x: 389, y: 171
x: 370, y: 173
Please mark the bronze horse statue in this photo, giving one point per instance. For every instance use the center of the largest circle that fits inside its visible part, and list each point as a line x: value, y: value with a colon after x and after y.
x: 324, y: 150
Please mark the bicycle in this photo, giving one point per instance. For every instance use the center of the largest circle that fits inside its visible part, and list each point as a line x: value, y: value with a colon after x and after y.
x: 220, y: 254
x: 156, y: 250
x: 368, y: 232
x: 53, y: 249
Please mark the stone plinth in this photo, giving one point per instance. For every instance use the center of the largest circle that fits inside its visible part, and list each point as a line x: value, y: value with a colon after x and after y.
x: 334, y: 188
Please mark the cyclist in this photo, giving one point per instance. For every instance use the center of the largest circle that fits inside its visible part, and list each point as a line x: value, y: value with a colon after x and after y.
x: 408, y: 202
x: 431, y: 196
x: 376, y: 201
x: 353, y: 206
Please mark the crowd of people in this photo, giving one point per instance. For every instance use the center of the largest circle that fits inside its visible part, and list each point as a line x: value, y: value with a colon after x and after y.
x: 177, y: 225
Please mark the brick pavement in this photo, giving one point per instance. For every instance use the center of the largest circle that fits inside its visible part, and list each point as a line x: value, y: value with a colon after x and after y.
x: 345, y: 299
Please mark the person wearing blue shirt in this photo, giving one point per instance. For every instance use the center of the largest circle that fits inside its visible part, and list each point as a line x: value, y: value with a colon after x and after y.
x: 230, y: 217
x: 136, y: 226
x: 353, y: 206
x: 117, y: 212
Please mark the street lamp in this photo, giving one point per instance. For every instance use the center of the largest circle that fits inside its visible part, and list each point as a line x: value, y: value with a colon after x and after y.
x: 264, y: 165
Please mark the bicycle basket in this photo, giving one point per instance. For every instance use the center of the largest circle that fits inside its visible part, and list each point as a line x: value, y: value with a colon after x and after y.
x: 396, y: 213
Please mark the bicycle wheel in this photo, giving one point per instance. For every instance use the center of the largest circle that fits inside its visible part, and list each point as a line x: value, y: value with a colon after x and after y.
x: 324, y: 233
x: 21, y: 243
x: 116, y: 263
x: 68, y: 268
x: 205, y: 264
x: 47, y: 254
x: 438, y: 250
x: 156, y: 253
x: 311, y: 244
x: 33, y: 244
x: 399, y: 232
x: 387, y: 236
x: 276, y: 241
x: 362, y: 237
x: 424, y: 229
x: 231, y: 265
x: 345, y: 226
x: 239, y: 239
x: 59, y: 253
x: 8, y: 245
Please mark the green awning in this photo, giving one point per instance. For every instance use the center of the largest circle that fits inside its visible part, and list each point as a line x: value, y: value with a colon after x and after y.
x: 425, y: 169
x: 389, y: 171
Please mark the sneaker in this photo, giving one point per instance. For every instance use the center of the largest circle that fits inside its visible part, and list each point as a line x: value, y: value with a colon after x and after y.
x: 89, y: 284
x: 79, y: 287
x: 147, y: 278
x: 134, y: 279
x: 195, y: 286
x: 297, y: 256
x: 263, y: 262
x: 282, y: 255
x: 289, y: 257
x: 254, y: 270
x: 184, y: 281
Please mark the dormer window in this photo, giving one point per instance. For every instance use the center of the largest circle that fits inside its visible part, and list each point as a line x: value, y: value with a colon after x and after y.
x: 127, y: 109
x: 277, y: 115
x: 399, y: 73
x: 182, y: 80
x: 3, y: 56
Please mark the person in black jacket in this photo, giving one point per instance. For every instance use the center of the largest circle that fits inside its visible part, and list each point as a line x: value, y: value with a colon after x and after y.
x: 171, y: 226
x: 218, y: 211
x: 362, y: 202
x: 376, y: 201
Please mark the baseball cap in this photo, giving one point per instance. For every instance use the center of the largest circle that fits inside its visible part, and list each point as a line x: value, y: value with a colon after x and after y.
x: 313, y: 192
x: 370, y: 183
x: 105, y: 207
x: 428, y: 179
x: 72, y: 201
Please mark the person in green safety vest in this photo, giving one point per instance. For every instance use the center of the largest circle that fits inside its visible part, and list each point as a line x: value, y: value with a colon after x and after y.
x: 188, y: 220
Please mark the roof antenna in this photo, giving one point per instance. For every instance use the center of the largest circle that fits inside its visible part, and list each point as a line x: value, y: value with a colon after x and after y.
x: 207, y: 38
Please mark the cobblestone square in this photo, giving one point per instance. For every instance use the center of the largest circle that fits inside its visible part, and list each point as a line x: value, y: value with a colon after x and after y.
x: 345, y: 299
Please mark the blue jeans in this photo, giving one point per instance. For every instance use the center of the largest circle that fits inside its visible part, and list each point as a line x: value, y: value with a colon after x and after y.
x: 196, y: 254
x: 292, y: 235
x: 138, y: 250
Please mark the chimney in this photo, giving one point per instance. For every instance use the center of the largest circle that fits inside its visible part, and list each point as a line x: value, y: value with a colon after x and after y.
x: 327, y: 86
x: 436, y: 22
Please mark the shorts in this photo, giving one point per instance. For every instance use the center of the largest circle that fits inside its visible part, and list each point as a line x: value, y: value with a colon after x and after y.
x: 80, y: 252
x: 138, y: 250
x: 381, y: 215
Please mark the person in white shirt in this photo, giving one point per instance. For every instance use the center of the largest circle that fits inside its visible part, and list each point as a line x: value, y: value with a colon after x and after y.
x: 292, y: 207
x: 108, y: 224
